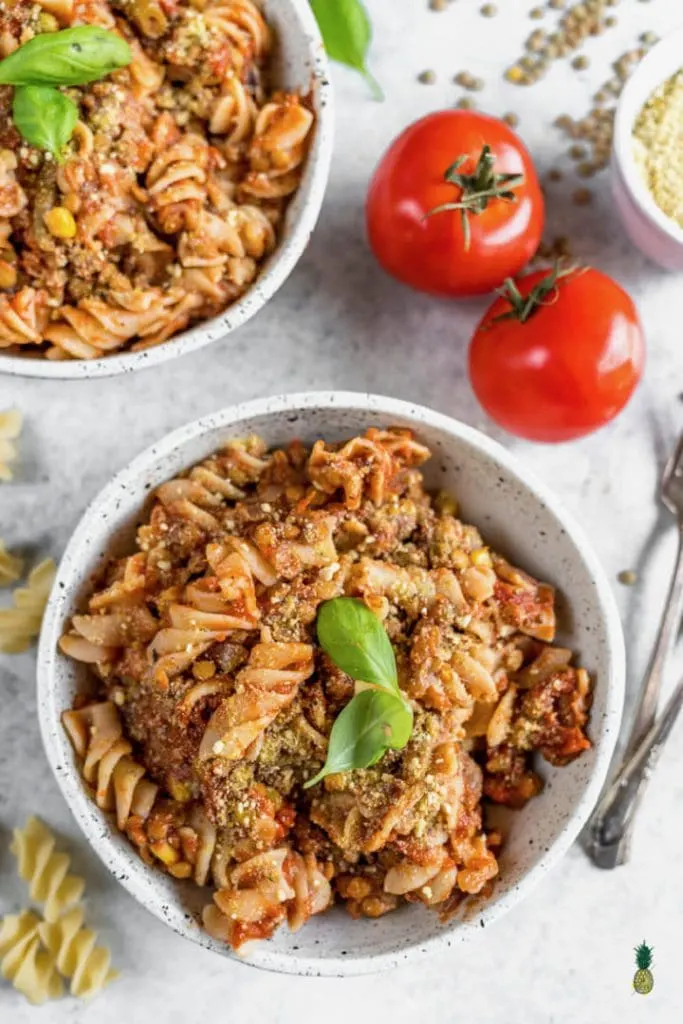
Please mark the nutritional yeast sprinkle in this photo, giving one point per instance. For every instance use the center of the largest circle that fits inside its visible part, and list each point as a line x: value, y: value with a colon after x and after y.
x: 658, y: 146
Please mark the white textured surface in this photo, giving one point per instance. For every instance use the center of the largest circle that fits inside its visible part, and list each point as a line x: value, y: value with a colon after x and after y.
x: 565, y: 954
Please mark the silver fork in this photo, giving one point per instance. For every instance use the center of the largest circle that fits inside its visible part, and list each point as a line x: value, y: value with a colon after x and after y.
x: 610, y: 829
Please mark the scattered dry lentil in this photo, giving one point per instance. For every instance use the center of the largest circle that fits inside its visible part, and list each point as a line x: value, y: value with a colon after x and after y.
x: 438, y: 5
x: 580, y: 63
x: 465, y: 103
x: 596, y: 129
x: 427, y: 77
x: 489, y: 10
x: 515, y: 74
x: 511, y: 119
x: 537, y: 13
x: 577, y: 22
x: 582, y: 197
x: 628, y: 577
x: 555, y: 174
x: 558, y: 249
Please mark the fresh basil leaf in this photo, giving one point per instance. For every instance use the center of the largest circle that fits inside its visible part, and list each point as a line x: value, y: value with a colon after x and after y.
x: 74, y: 56
x: 45, y: 117
x: 357, y: 642
x: 346, y: 32
x: 373, y: 722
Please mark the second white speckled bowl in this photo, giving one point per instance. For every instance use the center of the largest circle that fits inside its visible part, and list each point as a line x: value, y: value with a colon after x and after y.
x: 516, y: 514
x: 300, y: 64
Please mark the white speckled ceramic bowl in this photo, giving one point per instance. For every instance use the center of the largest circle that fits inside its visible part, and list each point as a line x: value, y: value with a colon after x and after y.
x: 516, y: 514
x: 659, y: 237
x: 300, y: 63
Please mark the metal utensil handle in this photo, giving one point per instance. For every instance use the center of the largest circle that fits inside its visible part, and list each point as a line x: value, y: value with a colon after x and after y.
x: 614, y: 851
x: 649, y: 697
x: 617, y: 810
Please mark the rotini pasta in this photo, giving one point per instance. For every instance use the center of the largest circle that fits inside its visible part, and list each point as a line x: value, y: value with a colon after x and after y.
x: 216, y: 702
x: 172, y: 189
x: 76, y: 954
x: 11, y: 566
x: 20, y: 625
x: 31, y: 969
x: 10, y: 428
x: 44, y: 870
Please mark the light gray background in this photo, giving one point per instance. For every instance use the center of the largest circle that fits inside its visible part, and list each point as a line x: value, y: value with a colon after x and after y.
x: 566, y: 954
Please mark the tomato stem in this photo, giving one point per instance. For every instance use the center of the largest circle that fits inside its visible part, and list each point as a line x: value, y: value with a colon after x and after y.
x: 523, y: 307
x: 477, y: 189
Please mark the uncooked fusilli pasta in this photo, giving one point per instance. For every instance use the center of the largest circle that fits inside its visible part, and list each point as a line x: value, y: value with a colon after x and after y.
x: 216, y: 702
x: 20, y: 625
x: 172, y: 189
x: 76, y: 954
x: 10, y: 428
x: 44, y: 870
x: 11, y: 566
x: 30, y: 968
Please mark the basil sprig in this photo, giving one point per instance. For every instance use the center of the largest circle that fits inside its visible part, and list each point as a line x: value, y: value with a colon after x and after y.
x: 346, y: 31
x: 44, y: 116
x: 74, y: 56
x: 375, y: 720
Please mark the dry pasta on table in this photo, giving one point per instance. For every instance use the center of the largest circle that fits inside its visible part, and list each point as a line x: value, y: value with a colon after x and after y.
x: 214, y: 702
x: 172, y: 188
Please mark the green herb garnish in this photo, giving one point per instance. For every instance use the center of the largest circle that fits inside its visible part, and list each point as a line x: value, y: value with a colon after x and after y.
x: 346, y: 32
x: 377, y: 719
x: 74, y: 56
x: 44, y: 116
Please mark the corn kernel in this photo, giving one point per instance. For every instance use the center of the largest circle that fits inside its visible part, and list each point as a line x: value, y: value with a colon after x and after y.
x: 182, y: 870
x: 47, y: 22
x: 480, y: 556
x: 203, y: 669
x: 165, y: 852
x: 8, y: 275
x: 180, y: 791
x: 60, y: 222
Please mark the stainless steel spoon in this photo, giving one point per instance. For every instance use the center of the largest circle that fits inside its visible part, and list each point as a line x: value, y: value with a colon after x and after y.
x: 611, y: 826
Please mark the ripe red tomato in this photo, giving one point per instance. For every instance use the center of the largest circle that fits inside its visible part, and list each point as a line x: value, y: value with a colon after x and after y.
x: 455, y: 157
x: 566, y: 368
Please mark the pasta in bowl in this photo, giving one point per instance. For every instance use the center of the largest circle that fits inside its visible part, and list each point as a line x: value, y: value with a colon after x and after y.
x: 211, y: 726
x: 182, y: 197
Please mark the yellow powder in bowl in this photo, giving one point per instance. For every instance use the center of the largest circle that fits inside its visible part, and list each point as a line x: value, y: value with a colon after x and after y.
x: 658, y: 146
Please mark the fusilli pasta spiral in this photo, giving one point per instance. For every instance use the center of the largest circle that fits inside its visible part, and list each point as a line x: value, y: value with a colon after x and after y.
x: 20, y: 625
x: 10, y: 428
x: 96, y: 733
x: 76, y: 954
x: 262, y: 690
x: 11, y: 566
x: 30, y: 969
x: 44, y: 870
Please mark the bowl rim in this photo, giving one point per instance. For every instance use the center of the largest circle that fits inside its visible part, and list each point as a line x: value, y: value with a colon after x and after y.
x: 89, y: 817
x: 633, y: 97
x: 281, y: 263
